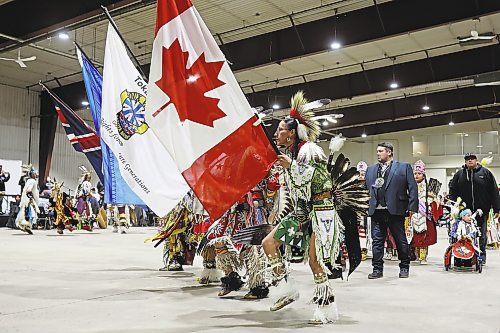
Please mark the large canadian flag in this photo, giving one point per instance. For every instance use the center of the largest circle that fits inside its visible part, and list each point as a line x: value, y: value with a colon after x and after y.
x: 199, y: 113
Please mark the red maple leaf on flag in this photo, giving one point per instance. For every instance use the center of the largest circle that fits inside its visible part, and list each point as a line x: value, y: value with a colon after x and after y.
x: 186, y: 88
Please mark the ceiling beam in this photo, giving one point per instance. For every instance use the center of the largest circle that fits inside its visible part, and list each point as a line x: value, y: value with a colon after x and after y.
x: 447, y: 67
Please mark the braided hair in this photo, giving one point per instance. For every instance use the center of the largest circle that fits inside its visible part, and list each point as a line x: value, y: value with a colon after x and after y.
x: 293, y: 124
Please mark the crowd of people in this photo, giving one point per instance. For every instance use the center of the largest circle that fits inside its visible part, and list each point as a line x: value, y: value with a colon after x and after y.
x: 315, y: 206
x: 310, y: 207
x: 58, y: 210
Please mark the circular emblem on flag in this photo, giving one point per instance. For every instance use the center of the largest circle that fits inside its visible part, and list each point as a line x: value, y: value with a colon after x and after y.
x: 131, y: 118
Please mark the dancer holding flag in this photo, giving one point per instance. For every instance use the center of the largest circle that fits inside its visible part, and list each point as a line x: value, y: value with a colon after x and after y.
x: 318, y: 192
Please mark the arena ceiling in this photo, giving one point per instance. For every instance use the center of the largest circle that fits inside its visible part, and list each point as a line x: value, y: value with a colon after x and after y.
x: 276, y: 47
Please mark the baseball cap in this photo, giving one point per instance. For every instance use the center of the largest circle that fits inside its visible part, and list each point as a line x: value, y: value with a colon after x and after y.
x: 470, y: 156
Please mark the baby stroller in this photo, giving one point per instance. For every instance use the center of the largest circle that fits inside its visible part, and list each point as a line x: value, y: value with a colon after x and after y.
x: 464, y: 254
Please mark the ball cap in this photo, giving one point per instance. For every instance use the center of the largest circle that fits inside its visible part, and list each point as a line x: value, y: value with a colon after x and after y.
x: 470, y: 156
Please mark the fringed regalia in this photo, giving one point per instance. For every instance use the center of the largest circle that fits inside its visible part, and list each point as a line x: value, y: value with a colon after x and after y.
x: 318, y: 193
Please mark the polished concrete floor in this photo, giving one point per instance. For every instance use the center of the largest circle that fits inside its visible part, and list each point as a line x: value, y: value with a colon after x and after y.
x: 105, y: 282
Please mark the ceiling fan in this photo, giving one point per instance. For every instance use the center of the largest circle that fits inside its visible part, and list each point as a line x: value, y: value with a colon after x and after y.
x: 476, y: 37
x: 20, y: 61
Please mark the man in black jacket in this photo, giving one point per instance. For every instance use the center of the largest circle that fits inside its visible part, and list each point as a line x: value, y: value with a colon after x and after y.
x: 478, y: 188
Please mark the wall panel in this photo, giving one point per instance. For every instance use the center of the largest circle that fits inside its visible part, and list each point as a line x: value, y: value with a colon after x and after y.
x: 16, y: 107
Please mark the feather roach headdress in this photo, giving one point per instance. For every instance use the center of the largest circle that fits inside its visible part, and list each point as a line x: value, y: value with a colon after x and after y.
x: 308, y: 129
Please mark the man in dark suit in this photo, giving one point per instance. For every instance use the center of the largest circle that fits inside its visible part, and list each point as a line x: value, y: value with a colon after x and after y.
x: 393, y: 194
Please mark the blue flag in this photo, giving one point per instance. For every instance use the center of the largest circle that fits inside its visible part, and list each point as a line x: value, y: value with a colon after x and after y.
x: 116, y: 190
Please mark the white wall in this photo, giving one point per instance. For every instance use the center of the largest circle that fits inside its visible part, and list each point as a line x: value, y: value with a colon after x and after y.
x: 16, y: 107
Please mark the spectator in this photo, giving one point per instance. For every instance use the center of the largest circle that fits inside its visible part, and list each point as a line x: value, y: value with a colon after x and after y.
x: 477, y: 187
x: 393, y: 194
x: 4, y: 177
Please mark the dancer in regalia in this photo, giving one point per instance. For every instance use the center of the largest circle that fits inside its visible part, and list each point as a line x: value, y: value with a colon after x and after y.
x: 424, y: 228
x: 316, y: 192
x: 28, y: 208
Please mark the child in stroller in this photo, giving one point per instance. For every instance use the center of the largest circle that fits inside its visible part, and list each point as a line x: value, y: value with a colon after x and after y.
x: 464, y: 254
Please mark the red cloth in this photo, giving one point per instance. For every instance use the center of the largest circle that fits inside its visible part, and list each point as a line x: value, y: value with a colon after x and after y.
x: 426, y: 238
x: 437, y: 211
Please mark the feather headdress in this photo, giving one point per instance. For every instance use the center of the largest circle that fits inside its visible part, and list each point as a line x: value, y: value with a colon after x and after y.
x: 308, y: 128
x: 85, y: 172
x: 26, y: 168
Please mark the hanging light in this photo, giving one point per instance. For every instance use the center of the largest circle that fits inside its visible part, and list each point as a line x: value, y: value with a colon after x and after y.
x: 363, y: 135
x: 451, y: 123
x: 325, y: 122
x: 63, y: 35
x: 335, y: 45
x: 393, y: 84
x: 85, y: 103
x: 426, y: 106
x: 276, y: 106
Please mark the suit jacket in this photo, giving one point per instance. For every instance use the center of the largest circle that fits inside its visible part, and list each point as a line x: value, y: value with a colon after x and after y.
x: 401, y: 193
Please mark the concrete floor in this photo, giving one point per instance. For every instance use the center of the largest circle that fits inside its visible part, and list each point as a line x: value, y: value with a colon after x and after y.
x: 105, y: 282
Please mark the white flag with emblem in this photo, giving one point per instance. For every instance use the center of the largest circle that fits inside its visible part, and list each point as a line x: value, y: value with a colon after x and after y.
x: 145, y: 164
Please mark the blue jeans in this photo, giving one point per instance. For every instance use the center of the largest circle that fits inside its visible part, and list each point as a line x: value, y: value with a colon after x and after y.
x: 381, y: 220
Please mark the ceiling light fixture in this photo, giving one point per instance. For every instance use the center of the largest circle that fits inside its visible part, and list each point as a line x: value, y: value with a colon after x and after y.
x: 325, y: 122
x: 451, y: 123
x: 363, y: 135
x: 394, y: 84
x: 85, y: 103
x: 276, y: 106
x: 426, y: 105
x: 335, y: 45
x: 63, y: 35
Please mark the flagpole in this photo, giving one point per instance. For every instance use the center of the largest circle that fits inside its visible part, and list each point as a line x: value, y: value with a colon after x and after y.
x: 137, y: 64
x: 54, y: 96
x: 268, y: 136
x: 83, y: 52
